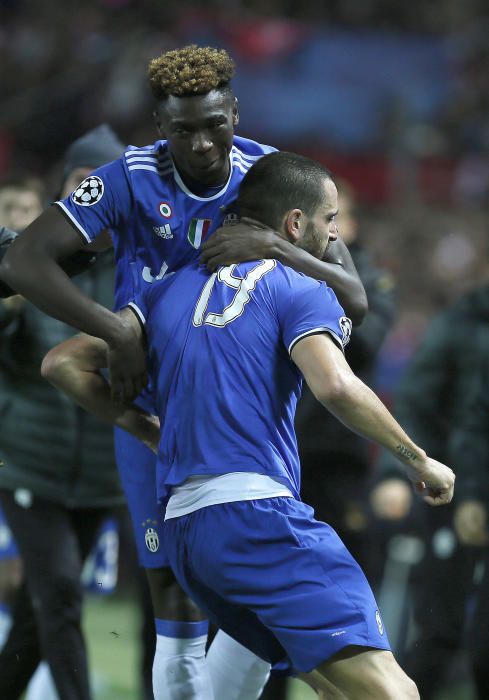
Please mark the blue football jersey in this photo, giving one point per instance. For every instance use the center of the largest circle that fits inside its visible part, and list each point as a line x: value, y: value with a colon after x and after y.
x: 219, y: 353
x: 157, y: 223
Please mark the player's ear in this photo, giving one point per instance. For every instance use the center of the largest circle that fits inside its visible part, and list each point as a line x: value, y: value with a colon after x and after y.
x: 293, y: 225
x: 159, y: 125
x: 235, y: 112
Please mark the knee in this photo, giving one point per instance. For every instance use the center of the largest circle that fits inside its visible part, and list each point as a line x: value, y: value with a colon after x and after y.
x: 411, y: 690
x: 399, y: 687
x: 170, y: 602
x: 389, y: 682
x: 59, y: 599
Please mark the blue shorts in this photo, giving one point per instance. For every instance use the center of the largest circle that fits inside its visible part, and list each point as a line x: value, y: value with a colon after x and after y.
x: 8, y: 547
x: 137, y: 470
x: 277, y: 580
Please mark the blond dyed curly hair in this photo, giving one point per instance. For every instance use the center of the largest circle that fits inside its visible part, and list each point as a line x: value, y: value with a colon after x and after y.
x: 191, y: 70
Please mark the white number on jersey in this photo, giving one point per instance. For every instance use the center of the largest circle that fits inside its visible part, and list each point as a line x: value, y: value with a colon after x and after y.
x: 243, y: 285
x: 148, y: 275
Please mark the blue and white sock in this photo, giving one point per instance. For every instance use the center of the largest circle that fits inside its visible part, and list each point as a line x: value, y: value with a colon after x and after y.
x: 236, y: 673
x: 180, y: 667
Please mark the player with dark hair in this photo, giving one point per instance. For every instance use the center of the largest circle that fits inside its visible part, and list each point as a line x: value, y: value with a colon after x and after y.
x: 226, y: 352
x: 162, y: 201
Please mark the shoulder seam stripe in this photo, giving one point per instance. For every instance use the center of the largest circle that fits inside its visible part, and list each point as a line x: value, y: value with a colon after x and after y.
x: 316, y: 331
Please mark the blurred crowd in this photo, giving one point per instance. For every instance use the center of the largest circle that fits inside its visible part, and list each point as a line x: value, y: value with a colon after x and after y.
x: 417, y: 201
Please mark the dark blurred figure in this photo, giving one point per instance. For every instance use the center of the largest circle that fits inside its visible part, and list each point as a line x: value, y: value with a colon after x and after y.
x: 469, y: 454
x: 21, y: 201
x: 59, y: 481
x: 433, y: 404
x: 335, y: 462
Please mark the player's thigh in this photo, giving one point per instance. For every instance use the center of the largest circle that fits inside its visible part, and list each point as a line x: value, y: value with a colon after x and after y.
x: 368, y: 674
x: 45, y: 536
x: 169, y: 600
x: 324, y: 689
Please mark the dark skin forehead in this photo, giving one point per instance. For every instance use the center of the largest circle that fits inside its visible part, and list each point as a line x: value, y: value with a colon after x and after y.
x: 197, y: 110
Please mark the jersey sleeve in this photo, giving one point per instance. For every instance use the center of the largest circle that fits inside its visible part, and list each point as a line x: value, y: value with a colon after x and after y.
x: 102, y: 200
x: 139, y: 306
x: 308, y: 307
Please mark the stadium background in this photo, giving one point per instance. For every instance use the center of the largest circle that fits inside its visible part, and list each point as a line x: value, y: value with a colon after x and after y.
x: 394, y: 97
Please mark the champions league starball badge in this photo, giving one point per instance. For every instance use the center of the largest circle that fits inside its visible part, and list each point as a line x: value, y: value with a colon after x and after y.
x: 88, y: 192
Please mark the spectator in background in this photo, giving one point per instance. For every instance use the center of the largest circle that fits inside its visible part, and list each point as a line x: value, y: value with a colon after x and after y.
x: 21, y: 201
x: 60, y: 480
x: 432, y: 403
x: 469, y: 447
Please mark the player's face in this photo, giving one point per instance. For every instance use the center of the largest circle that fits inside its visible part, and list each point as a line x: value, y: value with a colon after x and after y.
x: 200, y: 131
x: 321, y: 226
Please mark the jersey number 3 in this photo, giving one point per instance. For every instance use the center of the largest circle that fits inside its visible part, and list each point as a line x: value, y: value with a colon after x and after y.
x: 243, y: 286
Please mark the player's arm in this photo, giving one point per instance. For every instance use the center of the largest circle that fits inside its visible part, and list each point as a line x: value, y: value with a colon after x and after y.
x: 33, y: 267
x: 74, y: 367
x: 247, y: 241
x: 332, y: 381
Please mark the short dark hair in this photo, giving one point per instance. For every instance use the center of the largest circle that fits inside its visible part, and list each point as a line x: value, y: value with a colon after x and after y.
x: 191, y: 70
x: 24, y: 182
x: 279, y: 182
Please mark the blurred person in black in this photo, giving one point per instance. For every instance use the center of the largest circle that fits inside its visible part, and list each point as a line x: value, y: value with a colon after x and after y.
x: 59, y: 481
x: 22, y: 199
x: 469, y: 447
x: 434, y: 403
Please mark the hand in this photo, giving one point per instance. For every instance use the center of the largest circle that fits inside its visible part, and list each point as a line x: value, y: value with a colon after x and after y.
x: 13, y: 305
x: 246, y: 240
x: 127, y: 364
x: 470, y: 523
x: 391, y: 499
x: 434, y: 481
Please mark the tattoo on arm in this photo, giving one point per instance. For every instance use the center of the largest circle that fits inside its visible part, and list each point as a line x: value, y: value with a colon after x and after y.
x: 406, y: 453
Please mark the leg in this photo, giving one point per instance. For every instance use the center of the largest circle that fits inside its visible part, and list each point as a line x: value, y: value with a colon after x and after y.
x: 21, y: 653
x: 439, y: 609
x: 479, y: 634
x: 181, y: 628
x: 50, y: 548
x: 364, y: 674
x: 324, y: 689
x: 10, y: 577
x: 179, y: 670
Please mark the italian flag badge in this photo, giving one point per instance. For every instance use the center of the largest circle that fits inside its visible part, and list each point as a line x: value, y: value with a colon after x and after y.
x: 197, y: 231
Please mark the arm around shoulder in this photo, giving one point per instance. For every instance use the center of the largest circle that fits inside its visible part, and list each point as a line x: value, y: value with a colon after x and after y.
x: 337, y: 269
